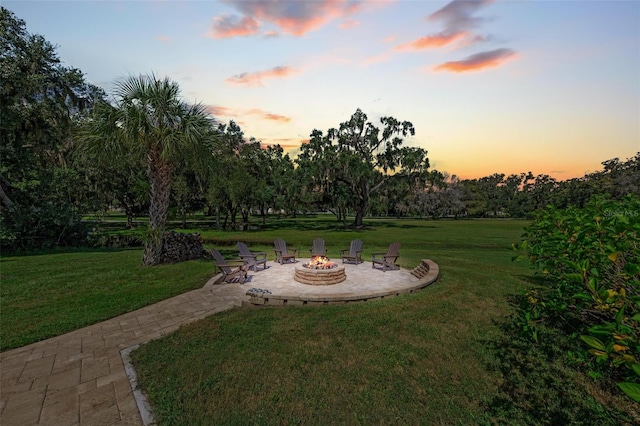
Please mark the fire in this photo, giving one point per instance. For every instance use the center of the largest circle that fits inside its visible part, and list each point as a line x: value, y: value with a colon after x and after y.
x: 320, y: 262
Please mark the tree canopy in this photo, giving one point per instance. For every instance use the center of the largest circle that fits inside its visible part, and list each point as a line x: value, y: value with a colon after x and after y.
x: 355, y: 160
x: 149, y: 118
x: 68, y: 150
x: 40, y: 102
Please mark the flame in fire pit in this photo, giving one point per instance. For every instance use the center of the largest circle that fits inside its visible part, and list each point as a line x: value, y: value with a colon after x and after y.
x: 320, y: 262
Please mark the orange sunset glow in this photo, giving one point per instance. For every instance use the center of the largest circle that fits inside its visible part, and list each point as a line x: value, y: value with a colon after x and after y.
x: 490, y: 86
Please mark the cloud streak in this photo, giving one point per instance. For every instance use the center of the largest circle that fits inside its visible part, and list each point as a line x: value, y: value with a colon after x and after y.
x: 290, y: 17
x: 277, y: 117
x: 433, y: 41
x: 268, y: 116
x: 458, y: 21
x: 479, y: 61
x: 458, y: 15
x: 287, y: 144
x: 226, y: 26
x: 256, y: 78
x: 221, y: 111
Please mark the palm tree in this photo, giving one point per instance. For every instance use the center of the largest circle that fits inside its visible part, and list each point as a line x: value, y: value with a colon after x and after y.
x: 149, y: 119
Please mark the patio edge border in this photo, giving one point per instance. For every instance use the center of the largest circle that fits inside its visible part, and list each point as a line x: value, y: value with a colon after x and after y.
x: 428, y: 271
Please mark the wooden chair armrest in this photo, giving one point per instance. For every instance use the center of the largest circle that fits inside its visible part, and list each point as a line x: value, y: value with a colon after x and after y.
x: 255, y: 255
x: 237, y: 262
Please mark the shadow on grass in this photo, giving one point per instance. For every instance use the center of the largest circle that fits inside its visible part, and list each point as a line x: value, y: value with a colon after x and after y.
x: 398, y: 225
x: 539, y: 386
x: 535, y: 280
x: 69, y: 250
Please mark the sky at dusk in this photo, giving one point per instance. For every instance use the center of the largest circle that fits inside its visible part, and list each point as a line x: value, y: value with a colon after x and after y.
x: 551, y: 87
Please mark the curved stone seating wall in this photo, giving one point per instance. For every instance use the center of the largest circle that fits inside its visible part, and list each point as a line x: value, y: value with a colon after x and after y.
x: 428, y: 272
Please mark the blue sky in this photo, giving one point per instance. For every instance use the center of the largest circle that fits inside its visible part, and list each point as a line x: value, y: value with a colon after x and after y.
x: 550, y: 87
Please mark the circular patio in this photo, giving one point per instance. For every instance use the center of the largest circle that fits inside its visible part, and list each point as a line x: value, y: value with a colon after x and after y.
x: 276, y: 286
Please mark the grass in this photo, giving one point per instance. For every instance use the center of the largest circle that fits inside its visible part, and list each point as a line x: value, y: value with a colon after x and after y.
x: 440, y: 356
x: 416, y: 359
x: 46, y: 295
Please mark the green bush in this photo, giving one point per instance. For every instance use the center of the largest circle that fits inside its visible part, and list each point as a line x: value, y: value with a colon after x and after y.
x: 29, y: 228
x: 590, y: 259
x: 115, y: 240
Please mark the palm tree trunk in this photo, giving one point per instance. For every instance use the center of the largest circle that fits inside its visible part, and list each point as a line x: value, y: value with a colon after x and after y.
x: 160, y: 178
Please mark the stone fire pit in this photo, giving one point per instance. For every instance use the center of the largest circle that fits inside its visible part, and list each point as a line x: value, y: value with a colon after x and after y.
x: 320, y: 271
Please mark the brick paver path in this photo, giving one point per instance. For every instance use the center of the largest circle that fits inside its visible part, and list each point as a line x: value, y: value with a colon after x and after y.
x: 79, y: 378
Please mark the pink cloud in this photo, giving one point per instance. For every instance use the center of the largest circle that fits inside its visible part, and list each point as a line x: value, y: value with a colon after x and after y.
x: 277, y: 117
x: 433, y: 41
x: 163, y: 38
x: 458, y: 14
x: 478, y: 61
x: 291, y: 17
x: 271, y: 34
x: 458, y: 20
x: 268, y: 116
x: 255, y: 78
x: 221, y: 111
x: 226, y: 26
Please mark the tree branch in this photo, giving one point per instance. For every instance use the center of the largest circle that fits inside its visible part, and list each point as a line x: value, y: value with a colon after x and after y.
x: 5, y: 198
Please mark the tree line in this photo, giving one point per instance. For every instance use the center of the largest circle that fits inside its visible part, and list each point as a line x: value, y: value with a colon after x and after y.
x: 69, y: 149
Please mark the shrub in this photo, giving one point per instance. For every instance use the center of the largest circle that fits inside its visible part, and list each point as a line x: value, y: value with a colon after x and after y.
x: 590, y: 259
x: 28, y: 228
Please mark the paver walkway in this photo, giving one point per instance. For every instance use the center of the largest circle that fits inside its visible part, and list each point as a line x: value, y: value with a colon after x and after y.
x: 79, y: 378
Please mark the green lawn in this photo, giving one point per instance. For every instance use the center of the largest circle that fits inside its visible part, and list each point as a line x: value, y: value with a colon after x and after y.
x: 415, y: 359
x: 46, y: 295
x: 440, y: 356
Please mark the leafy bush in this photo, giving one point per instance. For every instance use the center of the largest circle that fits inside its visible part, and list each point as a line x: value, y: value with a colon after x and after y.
x: 115, y: 240
x: 590, y: 259
x: 28, y: 228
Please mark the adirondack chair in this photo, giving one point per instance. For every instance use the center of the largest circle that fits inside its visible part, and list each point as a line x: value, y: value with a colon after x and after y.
x: 252, y: 259
x: 229, y: 271
x: 282, y: 254
x: 386, y: 260
x: 353, y: 254
x: 318, y: 248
